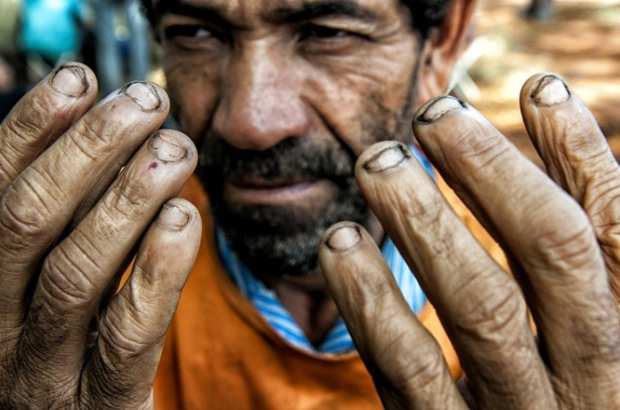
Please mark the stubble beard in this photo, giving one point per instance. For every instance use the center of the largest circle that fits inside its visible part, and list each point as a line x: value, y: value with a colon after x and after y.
x: 280, y: 240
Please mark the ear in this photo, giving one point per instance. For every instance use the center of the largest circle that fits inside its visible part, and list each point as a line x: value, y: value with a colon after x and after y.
x: 442, y: 49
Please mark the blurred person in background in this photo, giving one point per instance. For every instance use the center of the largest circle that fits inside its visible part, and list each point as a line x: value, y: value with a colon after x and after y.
x: 539, y: 10
x: 116, y: 22
x: 10, y: 89
x: 51, y: 33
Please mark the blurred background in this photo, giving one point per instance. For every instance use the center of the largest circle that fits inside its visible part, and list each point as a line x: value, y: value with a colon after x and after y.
x: 510, y: 40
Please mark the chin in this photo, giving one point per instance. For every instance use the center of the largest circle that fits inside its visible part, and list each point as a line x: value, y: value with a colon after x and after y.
x: 284, y: 240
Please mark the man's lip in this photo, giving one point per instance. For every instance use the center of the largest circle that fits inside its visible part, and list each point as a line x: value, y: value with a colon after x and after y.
x: 275, y: 191
x: 267, y: 183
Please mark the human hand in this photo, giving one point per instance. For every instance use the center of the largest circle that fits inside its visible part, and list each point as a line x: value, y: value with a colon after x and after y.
x: 560, y: 233
x: 70, y: 221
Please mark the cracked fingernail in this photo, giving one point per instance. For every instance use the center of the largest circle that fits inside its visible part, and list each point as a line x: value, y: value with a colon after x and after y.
x: 344, y: 238
x: 387, y: 158
x: 70, y: 80
x: 440, y: 107
x: 166, y: 149
x: 550, y: 90
x: 173, y: 217
x: 144, y: 94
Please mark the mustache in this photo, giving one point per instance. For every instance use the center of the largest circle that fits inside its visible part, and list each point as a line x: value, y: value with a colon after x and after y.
x: 290, y: 158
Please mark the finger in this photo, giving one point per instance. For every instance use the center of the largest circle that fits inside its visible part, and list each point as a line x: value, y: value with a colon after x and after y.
x: 480, y: 306
x: 122, y: 369
x: 78, y: 271
x: 39, y: 204
x: 404, y: 360
x: 42, y: 116
x: 544, y: 229
x: 577, y: 157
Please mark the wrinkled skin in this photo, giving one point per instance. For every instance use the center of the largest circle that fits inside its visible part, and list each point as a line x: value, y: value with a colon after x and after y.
x: 559, y: 232
x: 85, y: 186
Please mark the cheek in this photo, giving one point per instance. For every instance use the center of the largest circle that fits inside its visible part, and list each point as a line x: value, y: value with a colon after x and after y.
x: 363, y: 98
x: 193, y: 90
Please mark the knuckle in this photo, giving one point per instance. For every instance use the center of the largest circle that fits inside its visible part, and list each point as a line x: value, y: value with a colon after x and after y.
x: 119, y: 348
x: 479, y: 147
x: 425, y: 370
x: 597, y: 333
x: 22, y: 220
x: 93, y: 138
x: 408, y: 374
x: 427, y: 209
x: 128, y: 199
x: 490, y: 312
x: 45, y: 330
x: 572, y: 251
x: 601, y: 200
x: 66, y: 279
x: 29, y: 123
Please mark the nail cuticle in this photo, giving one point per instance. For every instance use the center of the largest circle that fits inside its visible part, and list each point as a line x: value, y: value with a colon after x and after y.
x: 387, y: 158
x: 143, y: 94
x: 440, y: 107
x: 70, y: 80
x: 550, y: 90
x: 166, y: 150
x: 344, y: 238
x: 173, y: 217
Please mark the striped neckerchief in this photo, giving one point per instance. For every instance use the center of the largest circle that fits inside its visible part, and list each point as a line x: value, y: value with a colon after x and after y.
x: 338, y: 340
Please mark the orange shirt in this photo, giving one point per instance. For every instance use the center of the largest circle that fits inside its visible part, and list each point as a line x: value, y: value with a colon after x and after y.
x: 221, y: 354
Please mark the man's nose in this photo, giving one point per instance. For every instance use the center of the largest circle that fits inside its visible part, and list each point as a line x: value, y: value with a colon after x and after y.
x: 261, y: 102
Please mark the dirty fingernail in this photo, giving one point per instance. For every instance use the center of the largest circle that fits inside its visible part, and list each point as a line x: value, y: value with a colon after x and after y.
x: 550, y: 90
x: 173, y: 217
x: 344, y: 238
x: 166, y: 149
x: 70, y: 80
x: 440, y: 107
x: 387, y: 158
x: 144, y: 94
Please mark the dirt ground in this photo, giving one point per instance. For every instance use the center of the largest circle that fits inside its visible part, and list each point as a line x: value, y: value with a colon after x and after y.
x: 581, y: 43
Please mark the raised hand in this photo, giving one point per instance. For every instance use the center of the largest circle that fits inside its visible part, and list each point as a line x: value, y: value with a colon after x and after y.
x: 81, y: 187
x: 560, y: 232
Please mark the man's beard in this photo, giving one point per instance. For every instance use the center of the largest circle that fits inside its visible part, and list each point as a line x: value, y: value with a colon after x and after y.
x: 280, y: 240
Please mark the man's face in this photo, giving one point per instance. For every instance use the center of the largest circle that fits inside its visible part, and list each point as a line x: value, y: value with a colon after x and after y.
x: 280, y: 97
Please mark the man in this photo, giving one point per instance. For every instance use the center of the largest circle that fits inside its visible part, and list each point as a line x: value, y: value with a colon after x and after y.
x: 281, y: 97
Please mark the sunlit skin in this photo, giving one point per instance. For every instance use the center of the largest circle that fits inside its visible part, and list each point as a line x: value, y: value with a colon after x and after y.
x: 255, y: 73
x: 84, y: 186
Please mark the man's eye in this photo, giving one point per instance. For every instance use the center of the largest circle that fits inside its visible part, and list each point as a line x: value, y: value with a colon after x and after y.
x: 313, y: 31
x: 188, y: 31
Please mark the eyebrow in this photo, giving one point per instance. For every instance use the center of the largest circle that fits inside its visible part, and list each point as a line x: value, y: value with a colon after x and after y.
x: 311, y: 10
x: 308, y: 10
x: 202, y: 12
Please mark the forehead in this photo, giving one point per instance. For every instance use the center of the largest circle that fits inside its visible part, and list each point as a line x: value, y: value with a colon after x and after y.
x: 246, y: 12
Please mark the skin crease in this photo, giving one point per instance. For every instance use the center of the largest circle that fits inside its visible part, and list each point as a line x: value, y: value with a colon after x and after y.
x: 313, y: 88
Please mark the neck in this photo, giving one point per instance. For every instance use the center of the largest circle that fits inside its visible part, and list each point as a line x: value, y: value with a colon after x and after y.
x: 307, y: 298
x: 308, y: 301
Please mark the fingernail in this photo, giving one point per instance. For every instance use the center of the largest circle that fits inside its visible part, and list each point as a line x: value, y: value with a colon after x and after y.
x: 144, y: 94
x: 389, y: 157
x: 551, y: 90
x: 166, y: 149
x: 173, y: 217
x: 344, y: 238
x: 440, y: 107
x: 70, y: 80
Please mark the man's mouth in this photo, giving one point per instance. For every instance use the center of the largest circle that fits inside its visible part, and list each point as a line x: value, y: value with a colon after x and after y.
x: 276, y: 191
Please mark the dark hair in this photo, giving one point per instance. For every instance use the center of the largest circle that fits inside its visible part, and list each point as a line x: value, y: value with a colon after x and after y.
x: 425, y: 14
